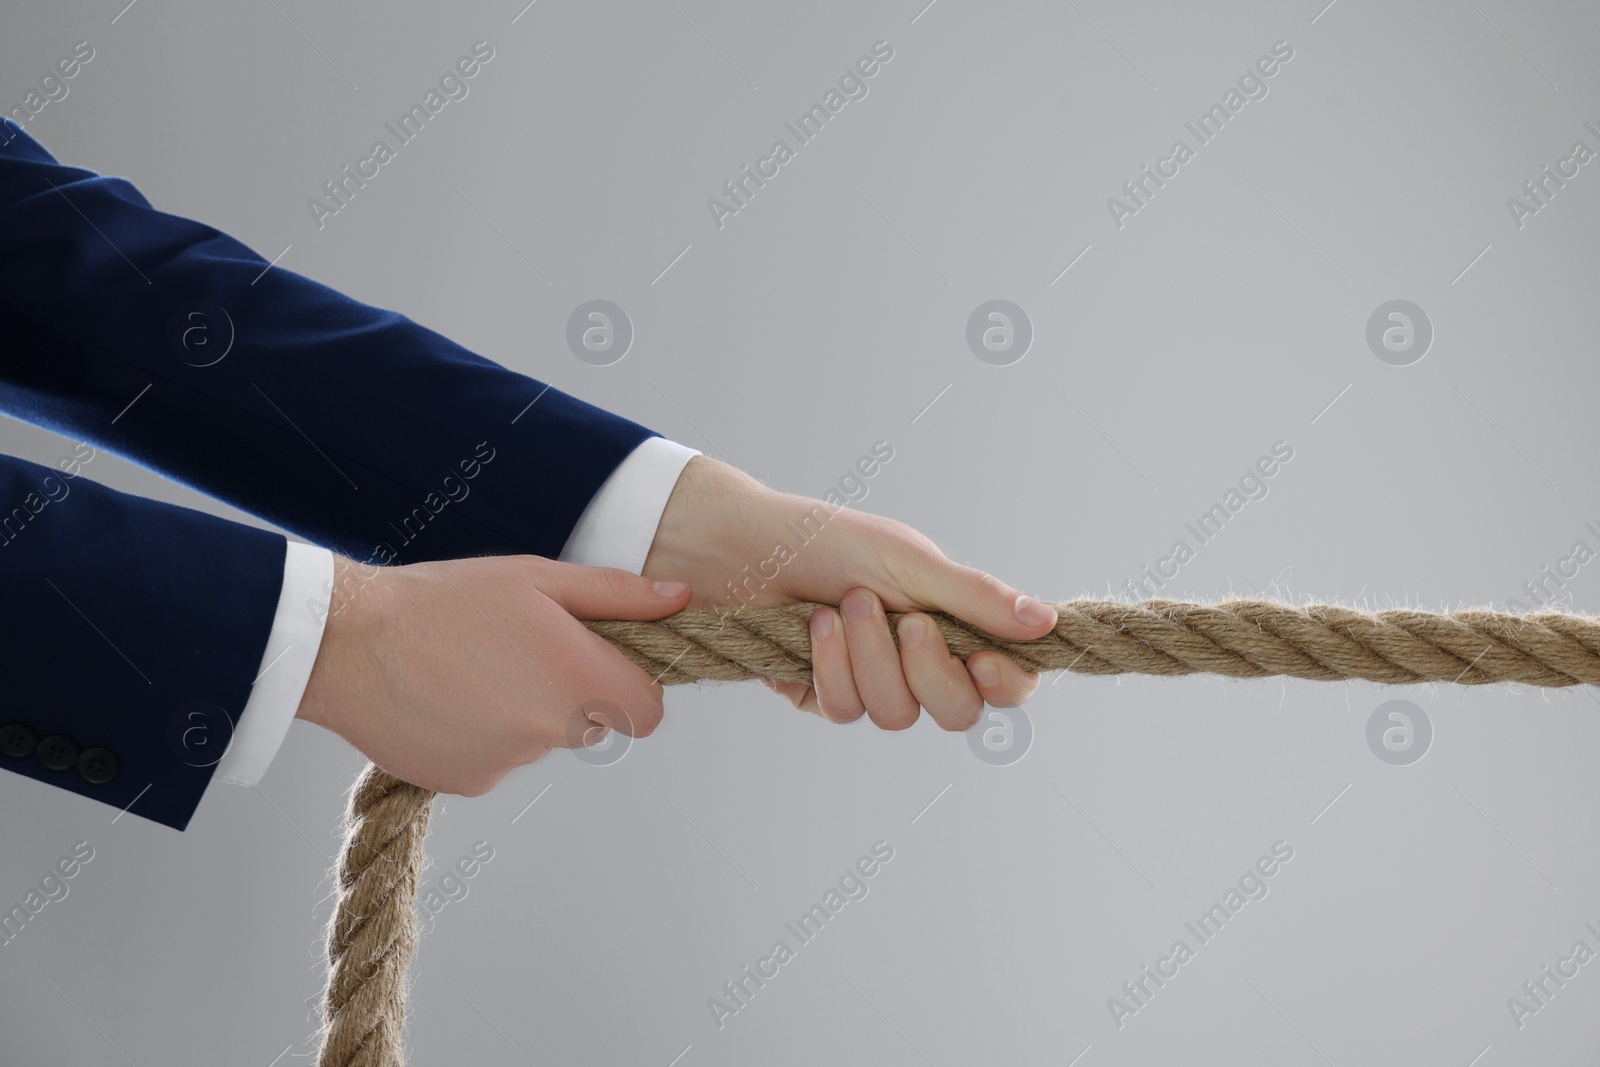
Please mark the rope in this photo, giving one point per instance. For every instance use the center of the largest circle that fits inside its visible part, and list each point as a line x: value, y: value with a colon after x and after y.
x: 1238, y: 638
x: 373, y: 930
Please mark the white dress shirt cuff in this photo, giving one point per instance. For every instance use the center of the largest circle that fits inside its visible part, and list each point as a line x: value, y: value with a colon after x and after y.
x: 616, y: 529
x: 285, y: 666
x: 619, y: 525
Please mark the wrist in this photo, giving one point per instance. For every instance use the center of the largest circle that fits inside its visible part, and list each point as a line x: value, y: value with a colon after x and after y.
x: 710, y: 499
x: 345, y: 665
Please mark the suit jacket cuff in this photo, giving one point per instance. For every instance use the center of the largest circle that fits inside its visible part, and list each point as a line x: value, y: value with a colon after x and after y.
x: 285, y: 666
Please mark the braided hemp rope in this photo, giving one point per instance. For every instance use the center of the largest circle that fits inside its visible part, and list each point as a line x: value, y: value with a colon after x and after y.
x: 1238, y: 638
x: 373, y: 933
x: 374, y: 930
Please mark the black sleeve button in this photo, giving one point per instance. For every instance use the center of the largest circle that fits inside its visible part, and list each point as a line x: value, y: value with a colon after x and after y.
x: 56, y: 752
x: 97, y: 765
x: 17, y: 741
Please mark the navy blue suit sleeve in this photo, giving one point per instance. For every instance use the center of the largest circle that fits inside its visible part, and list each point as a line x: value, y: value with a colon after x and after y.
x: 164, y: 340
x: 349, y: 425
x: 135, y: 631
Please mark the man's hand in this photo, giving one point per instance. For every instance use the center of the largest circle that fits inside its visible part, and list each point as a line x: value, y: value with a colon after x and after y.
x: 720, y: 533
x: 451, y: 674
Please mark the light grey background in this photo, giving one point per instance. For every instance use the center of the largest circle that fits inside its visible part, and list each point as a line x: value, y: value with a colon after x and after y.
x: 1228, y: 314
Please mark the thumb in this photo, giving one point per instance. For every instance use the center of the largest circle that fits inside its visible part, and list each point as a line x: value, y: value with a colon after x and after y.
x: 980, y: 599
x: 611, y: 593
x: 616, y: 694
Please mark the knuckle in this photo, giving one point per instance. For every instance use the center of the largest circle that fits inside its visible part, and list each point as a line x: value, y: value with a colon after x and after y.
x: 1015, y: 695
x: 896, y: 716
x: 616, y: 582
x: 908, y: 539
x: 871, y: 598
x: 914, y: 563
x: 841, y: 713
x: 967, y: 718
x: 988, y: 585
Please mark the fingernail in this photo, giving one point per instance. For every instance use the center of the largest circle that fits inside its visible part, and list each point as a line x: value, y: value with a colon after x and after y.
x: 821, y: 622
x: 670, y: 589
x: 856, y: 606
x: 986, y: 674
x: 1033, y: 612
x: 912, y: 629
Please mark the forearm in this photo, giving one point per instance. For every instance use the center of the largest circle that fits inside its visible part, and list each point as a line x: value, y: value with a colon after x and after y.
x: 346, y: 424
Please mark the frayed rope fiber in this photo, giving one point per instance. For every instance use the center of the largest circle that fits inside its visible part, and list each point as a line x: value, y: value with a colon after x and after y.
x: 372, y: 933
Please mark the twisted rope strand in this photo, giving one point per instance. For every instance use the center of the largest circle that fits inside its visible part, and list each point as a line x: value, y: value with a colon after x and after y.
x: 1237, y: 638
x: 372, y: 934
x: 373, y: 931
